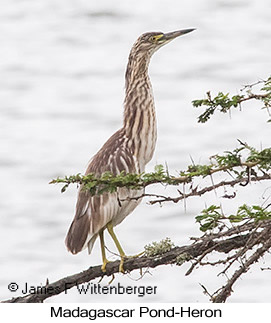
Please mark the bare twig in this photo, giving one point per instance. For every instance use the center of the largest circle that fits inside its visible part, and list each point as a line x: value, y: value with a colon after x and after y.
x: 197, y: 192
x: 226, y: 290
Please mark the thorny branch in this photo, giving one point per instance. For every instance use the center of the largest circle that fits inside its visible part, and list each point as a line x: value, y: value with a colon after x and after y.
x: 255, y: 166
x: 198, y: 192
x: 238, y: 241
x: 241, y: 239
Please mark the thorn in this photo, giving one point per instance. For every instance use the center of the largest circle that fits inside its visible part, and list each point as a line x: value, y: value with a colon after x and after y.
x: 184, y: 198
x: 192, y: 160
x: 242, y: 143
x: 180, y: 192
x: 195, y: 189
x: 212, y: 181
x: 167, y: 172
x: 118, y: 199
x: 205, y: 291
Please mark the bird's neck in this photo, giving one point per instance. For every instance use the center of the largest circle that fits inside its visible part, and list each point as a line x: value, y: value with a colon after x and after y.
x: 137, y: 68
x: 139, y: 111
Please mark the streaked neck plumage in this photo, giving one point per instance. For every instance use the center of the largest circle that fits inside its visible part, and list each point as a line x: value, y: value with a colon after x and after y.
x: 139, y: 111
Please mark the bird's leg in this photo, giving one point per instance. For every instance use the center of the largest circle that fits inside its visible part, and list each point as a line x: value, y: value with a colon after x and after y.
x: 105, y: 261
x: 116, y: 241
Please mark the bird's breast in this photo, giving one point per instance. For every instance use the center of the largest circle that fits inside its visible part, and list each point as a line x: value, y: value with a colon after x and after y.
x: 140, y: 121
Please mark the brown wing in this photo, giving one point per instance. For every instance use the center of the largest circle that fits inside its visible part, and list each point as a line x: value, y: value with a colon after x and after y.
x: 94, y: 212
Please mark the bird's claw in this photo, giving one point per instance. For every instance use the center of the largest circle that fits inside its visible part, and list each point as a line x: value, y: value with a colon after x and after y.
x: 111, y: 280
x: 135, y: 256
x: 123, y: 257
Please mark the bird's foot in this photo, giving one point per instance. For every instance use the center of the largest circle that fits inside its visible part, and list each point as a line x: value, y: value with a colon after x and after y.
x: 103, y: 267
x: 125, y: 257
x: 111, y: 280
x: 121, y: 269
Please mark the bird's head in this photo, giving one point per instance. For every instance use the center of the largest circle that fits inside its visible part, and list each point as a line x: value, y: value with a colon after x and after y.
x: 150, y: 42
x: 143, y: 49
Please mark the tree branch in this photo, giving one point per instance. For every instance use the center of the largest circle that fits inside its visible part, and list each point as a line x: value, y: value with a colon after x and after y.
x: 196, y: 192
x: 177, y: 255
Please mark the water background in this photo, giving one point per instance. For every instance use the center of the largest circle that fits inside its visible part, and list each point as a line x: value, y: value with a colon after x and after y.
x: 62, y: 67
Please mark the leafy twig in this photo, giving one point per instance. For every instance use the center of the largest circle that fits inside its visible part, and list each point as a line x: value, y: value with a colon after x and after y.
x: 232, y: 162
x: 223, y: 102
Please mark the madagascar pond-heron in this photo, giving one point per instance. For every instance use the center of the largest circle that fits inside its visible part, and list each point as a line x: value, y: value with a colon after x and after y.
x: 128, y: 150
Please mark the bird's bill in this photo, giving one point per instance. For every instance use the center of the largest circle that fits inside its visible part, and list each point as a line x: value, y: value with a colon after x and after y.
x: 174, y: 34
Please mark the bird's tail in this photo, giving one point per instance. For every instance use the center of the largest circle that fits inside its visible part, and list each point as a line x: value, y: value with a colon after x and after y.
x: 79, y: 237
x: 91, y: 242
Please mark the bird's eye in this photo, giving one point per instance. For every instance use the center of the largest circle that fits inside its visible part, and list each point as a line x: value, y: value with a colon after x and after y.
x: 156, y: 38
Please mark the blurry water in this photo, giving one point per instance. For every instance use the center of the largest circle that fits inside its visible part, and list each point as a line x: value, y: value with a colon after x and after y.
x: 61, y: 92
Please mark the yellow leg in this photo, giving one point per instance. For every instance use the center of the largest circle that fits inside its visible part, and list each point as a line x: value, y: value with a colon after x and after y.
x: 105, y: 261
x: 116, y: 241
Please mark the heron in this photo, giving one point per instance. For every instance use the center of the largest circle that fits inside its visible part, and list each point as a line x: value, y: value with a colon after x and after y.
x: 128, y: 150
